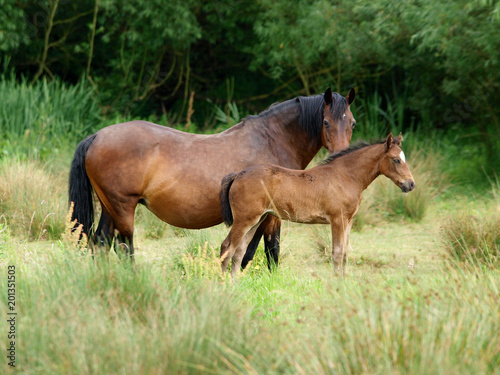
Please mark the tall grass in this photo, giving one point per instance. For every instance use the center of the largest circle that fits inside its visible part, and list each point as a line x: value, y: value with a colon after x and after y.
x: 472, y: 237
x: 41, y: 119
x: 473, y: 240
x: 33, y: 198
x: 82, y: 316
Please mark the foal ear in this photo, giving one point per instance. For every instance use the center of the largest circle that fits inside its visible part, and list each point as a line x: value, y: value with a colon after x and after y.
x: 399, y: 139
x: 350, y: 97
x: 328, y: 96
x: 389, y: 142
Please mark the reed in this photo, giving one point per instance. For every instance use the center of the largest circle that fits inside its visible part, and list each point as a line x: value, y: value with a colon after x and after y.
x: 44, y: 118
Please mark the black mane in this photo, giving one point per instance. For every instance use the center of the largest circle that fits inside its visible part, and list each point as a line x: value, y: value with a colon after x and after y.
x: 354, y: 147
x: 311, y: 112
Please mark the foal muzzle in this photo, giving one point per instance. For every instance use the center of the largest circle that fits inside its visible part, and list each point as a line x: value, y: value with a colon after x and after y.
x: 407, y: 186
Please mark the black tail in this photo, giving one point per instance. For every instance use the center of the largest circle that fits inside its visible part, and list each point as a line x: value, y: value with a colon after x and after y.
x: 80, y: 189
x: 227, y: 214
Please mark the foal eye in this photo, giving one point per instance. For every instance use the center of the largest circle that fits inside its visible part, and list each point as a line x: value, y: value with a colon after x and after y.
x: 326, y: 123
x: 397, y: 161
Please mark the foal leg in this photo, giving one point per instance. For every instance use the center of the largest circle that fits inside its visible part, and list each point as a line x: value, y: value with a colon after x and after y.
x: 232, y: 244
x: 240, y: 250
x: 237, y: 241
x: 338, y: 244
x: 346, y: 244
x: 227, y: 251
x: 252, y: 246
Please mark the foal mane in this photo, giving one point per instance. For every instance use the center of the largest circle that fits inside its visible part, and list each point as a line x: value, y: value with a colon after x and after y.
x: 354, y: 147
x: 311, y: 112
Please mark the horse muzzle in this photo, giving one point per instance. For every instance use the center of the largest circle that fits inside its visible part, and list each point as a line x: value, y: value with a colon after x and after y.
x: 407, y: 186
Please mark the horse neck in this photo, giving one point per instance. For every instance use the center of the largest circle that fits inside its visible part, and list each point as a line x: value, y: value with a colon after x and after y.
x: 363, y: 165
x: 289, y: 140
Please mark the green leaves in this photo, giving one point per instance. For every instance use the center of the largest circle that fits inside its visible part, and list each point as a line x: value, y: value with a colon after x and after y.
x: 13, y: 30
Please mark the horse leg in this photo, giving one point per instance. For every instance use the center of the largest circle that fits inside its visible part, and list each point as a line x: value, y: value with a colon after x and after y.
x: 272, y: 241
x: 270, y: 228
x: 124, y: 245
x: 104, y: 233
x: 123, y: 223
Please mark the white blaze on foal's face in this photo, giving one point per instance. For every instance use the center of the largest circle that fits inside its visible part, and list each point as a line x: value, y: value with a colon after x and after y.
x: 402, y: 156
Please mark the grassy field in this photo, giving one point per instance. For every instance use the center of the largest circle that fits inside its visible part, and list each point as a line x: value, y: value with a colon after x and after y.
x: 403, y: 307
x: 420, y: 296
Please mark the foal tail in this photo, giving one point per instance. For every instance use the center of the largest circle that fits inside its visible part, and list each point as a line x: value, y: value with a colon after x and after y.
x: 80, y: 189
x: 227, y: 213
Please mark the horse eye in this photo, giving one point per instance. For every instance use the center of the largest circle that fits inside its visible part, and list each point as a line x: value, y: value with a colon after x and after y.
x: 326, y: 123
x: 397, y: 161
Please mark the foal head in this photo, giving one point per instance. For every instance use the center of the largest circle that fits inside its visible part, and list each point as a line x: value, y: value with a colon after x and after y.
x: 338, y: 122
x: 393, y: 164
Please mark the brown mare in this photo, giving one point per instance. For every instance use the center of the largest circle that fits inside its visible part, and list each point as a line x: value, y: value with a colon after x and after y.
x: 177, y: 175
x: 327, y: 194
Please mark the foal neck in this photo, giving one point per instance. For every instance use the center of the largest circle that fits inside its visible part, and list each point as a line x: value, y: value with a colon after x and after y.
x: 363, y: 165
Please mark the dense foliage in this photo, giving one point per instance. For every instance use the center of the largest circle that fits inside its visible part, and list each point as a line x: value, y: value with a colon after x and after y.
x: 439, y: 58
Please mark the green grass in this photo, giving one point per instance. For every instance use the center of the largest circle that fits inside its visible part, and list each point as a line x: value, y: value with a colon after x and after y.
x: 402, y: 308
x: 46, y: 118
x: 33, y: 198
x: 472, y: 237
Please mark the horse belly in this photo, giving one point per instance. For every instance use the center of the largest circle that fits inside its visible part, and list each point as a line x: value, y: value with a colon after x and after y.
x: 304, y: 217
x: 300, y: 207
x: 178, y: 217
x: 186, y: 207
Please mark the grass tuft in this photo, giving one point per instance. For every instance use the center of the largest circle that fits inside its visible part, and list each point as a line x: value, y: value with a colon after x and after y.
x: 32, y: 199
x: 206, y: 264
x: 473, y: 240
x: 73, y: 238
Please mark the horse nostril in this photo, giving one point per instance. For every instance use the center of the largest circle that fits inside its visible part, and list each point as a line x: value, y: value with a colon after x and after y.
x: 412, y: 185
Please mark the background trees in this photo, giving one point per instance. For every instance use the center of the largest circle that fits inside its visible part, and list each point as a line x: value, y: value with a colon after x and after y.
x: 436, y: 63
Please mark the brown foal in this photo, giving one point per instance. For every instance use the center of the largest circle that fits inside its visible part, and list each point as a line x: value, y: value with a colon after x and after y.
x: 327, y: 194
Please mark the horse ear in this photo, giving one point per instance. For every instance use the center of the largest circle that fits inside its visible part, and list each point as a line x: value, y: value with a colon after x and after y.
x: 350, y: 97
x: 399, y: 139
x: 389, y: 142
x: 328, y: 96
